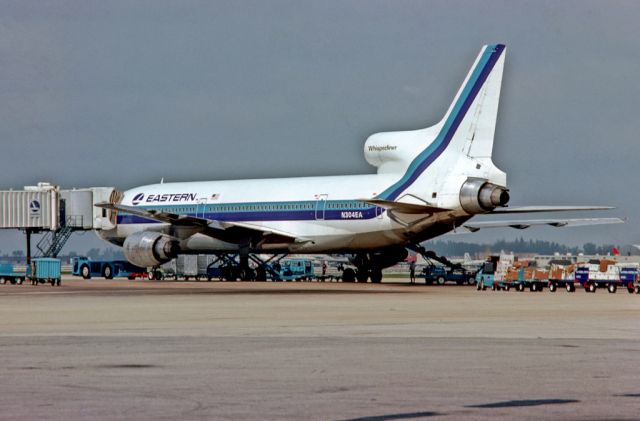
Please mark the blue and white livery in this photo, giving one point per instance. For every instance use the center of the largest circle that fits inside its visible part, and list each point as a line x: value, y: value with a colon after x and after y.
x: 428, y: 182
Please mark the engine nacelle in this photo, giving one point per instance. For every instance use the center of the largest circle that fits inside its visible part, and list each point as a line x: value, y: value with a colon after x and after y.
x: 477, y: 195
x: 147, y: 249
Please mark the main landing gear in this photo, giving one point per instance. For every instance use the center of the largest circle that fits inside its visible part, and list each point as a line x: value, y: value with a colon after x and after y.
x: 236, y: 267
x: 369, y: 265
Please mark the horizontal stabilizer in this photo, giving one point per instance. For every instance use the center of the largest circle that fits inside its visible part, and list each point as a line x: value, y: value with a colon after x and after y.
x: 534, y: 209
x: 408, y: 208
x: 523, y: 224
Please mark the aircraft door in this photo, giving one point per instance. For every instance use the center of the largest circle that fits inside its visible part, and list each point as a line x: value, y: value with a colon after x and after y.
x: 321, y: 204
x: 379, y: 212
x: 201, y: 209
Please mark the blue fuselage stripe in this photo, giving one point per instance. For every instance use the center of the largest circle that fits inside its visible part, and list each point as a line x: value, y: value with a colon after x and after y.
x: 264, y: 211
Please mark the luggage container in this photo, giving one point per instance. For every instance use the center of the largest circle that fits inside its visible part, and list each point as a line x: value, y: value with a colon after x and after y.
x: 186, y: 266
x: 9, y: 275
x: 44, y: 269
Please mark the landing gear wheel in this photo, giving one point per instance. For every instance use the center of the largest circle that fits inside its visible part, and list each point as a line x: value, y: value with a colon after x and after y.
x: 376, y: 276
x: 158, y: 275
x: 85, y: 272
x: 362, y: 275
x: 612, y: 288
x: 107, y: 272
x: 150, y: 275
x: 246, y: 275
x: 349, y: 275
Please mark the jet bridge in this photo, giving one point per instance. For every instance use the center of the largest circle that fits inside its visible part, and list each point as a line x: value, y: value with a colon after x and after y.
x: 56, y: 212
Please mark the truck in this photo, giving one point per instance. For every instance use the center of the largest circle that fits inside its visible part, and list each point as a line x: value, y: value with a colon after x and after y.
x: 441, y: 274
x: 44, y: 269
x: 493, y: 271
x: 606, y: 274
x: 291, y: 270
x: 8, y: 274
x: 108, y: 269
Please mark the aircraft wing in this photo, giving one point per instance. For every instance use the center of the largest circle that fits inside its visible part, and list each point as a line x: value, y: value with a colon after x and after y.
x: 523, y: 224
x: 223, y: 230
x: 402, y: 207
x: 533, y: 209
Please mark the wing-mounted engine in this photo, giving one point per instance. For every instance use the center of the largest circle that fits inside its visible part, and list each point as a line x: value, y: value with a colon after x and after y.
x: 477, y: 195
x: 146, y: 249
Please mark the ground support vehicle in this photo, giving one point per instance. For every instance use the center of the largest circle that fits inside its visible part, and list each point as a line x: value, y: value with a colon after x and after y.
x: 44, y: 269
x: 441, y: 274
x: 291, y: 270
x: 8, y: 275
x: 522, y: 278
x: 493, y: 272
x: 108, y: 269
x: 187, y: 267
x: 562, y: 276
x: 607, y: 274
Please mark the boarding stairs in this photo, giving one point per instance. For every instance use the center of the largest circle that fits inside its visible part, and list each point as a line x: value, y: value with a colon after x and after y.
x: 53, y: 241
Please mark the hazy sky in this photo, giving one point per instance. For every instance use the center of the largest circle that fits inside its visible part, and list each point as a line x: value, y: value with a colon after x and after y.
x: 125, y: 93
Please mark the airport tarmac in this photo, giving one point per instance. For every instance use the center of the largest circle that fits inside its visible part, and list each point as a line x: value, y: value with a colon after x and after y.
x: 210, y: 350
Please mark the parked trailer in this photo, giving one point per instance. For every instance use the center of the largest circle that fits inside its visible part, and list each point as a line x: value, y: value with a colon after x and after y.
x: 521, y: 277
x: 606, y: 274
x: 9, y: 275
x: 44, y: 269
x: 108, y: 269
x: 562, y: 276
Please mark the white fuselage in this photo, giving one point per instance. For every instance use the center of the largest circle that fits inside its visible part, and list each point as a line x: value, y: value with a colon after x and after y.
x: 324, y: 212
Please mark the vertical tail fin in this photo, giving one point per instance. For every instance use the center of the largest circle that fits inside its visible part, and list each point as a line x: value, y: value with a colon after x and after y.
x: 466, y: 129
x: 474, y: 110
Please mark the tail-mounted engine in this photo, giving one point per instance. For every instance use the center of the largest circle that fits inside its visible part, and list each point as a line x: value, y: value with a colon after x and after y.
x: 146, y: 249
x: 477, y: 195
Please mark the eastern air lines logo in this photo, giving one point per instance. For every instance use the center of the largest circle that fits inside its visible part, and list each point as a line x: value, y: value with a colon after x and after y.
x: 168, y: 197
x: 34, y: 208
